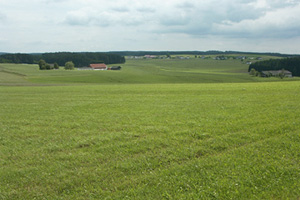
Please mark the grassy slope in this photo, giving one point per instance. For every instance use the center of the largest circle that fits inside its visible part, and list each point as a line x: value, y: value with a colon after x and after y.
x: 8, y: 77
x: 181, y: 141
x: 148, y: 141
x: 145, y: 71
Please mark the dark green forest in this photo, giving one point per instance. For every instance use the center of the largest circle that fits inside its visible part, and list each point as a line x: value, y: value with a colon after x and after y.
x: 17, y: 58
x: 290, y: 64
x: 79, y: 59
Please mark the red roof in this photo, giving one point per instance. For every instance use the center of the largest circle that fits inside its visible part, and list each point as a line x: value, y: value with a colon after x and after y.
x: 98, y: 66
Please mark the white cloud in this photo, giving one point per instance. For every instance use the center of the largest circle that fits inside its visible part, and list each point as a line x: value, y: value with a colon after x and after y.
x: 277, y: 23
x: 138, y: 25
x: 145, y: 9
x: 93, y: 17
x: 79, y: 17
x: 189, y: 17
x: 2, y: 16
x: 120, y: 9
x: 238, y: 19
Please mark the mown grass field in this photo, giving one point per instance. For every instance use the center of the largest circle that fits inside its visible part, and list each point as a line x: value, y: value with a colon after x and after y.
x: 122, y: 140
x: 139, y: 72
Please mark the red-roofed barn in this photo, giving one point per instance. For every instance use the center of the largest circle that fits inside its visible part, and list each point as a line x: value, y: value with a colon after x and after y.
x: 98, y: 66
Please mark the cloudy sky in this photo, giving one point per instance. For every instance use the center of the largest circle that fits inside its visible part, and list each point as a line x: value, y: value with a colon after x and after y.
x: 113, y: 25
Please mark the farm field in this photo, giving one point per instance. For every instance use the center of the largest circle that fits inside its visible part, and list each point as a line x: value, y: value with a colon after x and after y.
x: 152, y: 134
x: 137, y: 72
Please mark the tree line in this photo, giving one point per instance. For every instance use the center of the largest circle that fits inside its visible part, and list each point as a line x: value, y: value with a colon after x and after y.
x: 17, y: 58
x: 79, y: 59
x: 211, y: 52
x: 290, y: 64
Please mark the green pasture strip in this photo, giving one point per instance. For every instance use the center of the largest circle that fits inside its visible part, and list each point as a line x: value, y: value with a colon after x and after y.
x: 144, y: 71
x: 156, y: 71
x: 151, y: 141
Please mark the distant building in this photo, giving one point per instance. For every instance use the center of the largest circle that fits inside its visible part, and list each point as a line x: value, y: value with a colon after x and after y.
x: 182, y: 57
x: 221, y: 58
x: 98, y: 66
x: 240, y: 57
x: 276, y: 73
x: 150, y: 56
x: 115, y: 68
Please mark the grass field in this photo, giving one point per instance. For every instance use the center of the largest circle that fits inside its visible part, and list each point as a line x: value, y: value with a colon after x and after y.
x: 111, y: 138
x: 139, y: 72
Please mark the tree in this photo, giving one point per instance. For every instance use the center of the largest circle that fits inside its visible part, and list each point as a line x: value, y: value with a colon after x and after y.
x: 42, y: 64
x: 252, y: 72
x: 69, y: 65
x: 56, y: 66
x: 48, y: 67
x: 282, y: 74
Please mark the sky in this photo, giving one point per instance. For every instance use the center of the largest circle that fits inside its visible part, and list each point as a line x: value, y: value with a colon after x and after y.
x: 35, y: 26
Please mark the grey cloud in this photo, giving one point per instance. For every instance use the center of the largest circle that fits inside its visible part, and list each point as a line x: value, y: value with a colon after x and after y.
x: 281, y: 23
x: 87, y: 17
x: 90, y: 17
x: 146, y: 9
x: 281, y: 3
x: 241, y: 19
x: 73, y: 19
x: 2, y: 16
x: 230, y: 20
x: 185, y: 5
x: 175, y: 20
x: 120, y: 9
x: 55, y: 1
x: 206, y: 14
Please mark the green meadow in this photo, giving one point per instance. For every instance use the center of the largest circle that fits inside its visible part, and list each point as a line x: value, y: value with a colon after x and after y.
x: 156, y: 71
x: 157, y: 129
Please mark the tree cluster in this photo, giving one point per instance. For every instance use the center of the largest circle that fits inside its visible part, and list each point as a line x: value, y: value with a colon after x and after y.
x: 45, y: 66
x: 290, y: 64
x: 79, y: 59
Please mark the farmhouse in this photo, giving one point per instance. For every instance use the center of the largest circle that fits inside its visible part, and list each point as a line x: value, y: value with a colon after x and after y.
x: 98, y: 66
x: 276, y: 73
x: 150, y: 56
x: 182, y: 57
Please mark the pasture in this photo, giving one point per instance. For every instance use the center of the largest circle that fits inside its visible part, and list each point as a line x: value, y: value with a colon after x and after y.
x: 154, y: 71
x: 150, y: 134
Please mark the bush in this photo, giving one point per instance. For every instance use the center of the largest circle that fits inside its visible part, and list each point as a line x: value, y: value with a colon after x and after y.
x: 252, y: 72
x: 56, y: 66
x: 69, y: 65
